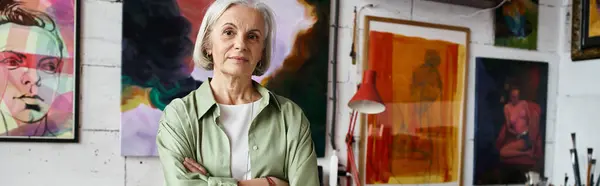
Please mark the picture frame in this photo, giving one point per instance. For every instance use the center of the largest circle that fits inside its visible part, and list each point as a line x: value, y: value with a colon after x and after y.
x: 401, y: 52
x: 516, y: 24
x: 43, y: 105
x: 583, y: 45
x: 507, y: 146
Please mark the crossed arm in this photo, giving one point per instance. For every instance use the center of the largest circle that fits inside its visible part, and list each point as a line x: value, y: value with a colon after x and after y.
x: 181, y: 170
x: 174, y: 148
x: 195, y: 167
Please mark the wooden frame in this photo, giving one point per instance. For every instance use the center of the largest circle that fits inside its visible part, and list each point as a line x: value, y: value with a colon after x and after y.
x: 464, y: 80
x: 583, y: 47
x: 50, y: 109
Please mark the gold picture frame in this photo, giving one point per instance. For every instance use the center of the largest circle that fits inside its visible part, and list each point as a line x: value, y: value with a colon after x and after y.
x: 580, y: 50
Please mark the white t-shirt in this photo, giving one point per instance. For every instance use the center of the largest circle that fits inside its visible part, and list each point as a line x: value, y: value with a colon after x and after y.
x: 236, y: 121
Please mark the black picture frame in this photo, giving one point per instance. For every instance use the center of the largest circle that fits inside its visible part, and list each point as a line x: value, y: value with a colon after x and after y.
x: 495, y: 81
x: 75, y: 71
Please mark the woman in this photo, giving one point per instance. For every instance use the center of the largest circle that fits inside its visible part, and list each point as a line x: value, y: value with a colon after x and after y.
x: 231, y: 130
x: 517, y: 116
x: 30, y: 75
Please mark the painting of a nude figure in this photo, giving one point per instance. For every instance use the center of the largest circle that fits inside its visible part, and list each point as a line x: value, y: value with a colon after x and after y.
x: 421, y: 71
x: 510, y: 120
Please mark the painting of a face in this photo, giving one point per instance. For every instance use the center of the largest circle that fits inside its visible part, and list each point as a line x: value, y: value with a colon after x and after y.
x: 29, y: 72
x: 39, y: 70
x: 514, y: 95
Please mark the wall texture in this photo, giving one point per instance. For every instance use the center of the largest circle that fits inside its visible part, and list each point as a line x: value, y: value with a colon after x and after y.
x: 578, y: 99
x: 96, y: 161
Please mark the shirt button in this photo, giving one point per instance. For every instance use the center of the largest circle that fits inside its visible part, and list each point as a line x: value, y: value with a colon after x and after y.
x: 255, y: 147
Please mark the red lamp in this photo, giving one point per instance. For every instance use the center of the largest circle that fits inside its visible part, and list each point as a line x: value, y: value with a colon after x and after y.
x: 367, y: 101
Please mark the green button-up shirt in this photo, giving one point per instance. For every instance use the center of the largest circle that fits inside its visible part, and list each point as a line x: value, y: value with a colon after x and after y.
x: 279, y: 141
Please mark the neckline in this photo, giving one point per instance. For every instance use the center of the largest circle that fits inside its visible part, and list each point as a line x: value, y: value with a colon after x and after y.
x: 240, y: 105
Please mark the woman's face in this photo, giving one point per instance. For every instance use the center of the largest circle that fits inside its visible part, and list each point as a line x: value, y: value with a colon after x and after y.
x: 237, y: 41
x: 514, y: 95
x: 30, y: 65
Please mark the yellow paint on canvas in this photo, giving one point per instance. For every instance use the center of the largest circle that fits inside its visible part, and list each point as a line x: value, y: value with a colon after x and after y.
x: 423, y: 109
x: 133, y: 96
x: 594, y: 20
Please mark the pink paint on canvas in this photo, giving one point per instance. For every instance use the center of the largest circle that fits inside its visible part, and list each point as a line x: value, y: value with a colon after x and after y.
x: 37, y: 69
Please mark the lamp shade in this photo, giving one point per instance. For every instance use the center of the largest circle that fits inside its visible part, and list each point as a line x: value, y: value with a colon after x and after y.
x: 367, y: 99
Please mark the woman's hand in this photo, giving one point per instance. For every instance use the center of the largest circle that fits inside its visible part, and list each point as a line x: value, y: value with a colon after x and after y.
x: 262, y: 182
x: 194, y: 166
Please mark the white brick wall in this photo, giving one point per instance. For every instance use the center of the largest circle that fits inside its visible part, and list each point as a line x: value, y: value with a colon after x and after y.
x: 96, y: 161
x: 482, y: 38
x: 578, y: 100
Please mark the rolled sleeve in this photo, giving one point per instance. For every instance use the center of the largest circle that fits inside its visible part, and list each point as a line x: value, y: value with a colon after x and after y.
x: 303, y: 162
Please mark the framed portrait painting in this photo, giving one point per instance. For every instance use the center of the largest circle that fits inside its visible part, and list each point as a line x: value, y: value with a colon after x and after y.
x: 39, y: 74
x: 421, y: 71
x: 585, y: 30
x: 510, y: 120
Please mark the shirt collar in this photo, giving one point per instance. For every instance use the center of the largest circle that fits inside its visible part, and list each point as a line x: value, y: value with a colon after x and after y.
x: 206, y: 100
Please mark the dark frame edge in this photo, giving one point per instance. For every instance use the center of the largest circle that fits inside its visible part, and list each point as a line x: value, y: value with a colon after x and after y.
x: 77, y: 65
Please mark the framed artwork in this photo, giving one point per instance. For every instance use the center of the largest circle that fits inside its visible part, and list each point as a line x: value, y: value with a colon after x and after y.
x: 510, y: 120
x: 516, y: 24
x: 158, y: 40
x: 39, y: 70
x: 585, y: 30
x: 421, y: 71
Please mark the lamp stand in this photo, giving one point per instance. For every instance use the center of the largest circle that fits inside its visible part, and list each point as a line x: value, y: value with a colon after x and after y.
x: 349, y: 144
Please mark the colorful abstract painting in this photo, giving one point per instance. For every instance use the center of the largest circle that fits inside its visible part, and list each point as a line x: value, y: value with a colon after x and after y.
x: 421, y: 77
x: 38, y: 70
x: 510, y: 120
x: 516, y: 24
x: 158, y: 39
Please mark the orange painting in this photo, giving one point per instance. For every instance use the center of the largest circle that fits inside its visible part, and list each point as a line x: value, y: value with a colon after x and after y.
x: 418, y: 138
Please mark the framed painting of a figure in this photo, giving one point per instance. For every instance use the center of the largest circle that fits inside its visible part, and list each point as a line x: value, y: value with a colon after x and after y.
x: 39, y: 70
x: 510, y: 120
x: 421, y: 77
x: 516, y: 24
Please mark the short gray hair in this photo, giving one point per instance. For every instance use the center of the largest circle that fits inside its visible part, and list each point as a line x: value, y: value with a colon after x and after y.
x: 213, y: 13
